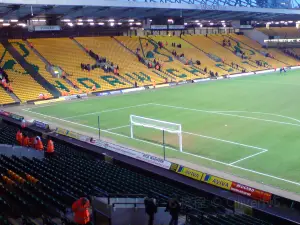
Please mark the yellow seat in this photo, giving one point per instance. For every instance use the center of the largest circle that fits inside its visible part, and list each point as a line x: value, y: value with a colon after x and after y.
x: 24, y: 86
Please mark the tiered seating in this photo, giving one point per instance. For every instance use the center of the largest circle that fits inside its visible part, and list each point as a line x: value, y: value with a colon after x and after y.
x: 283, y: 32
x: 49, y: 186
x: 24, y: 86
x: 191, y: 52
x: 218, y: 52
x: 275, y: 52
x: 251, y: 55
x: 175, y: 69
x: 4, y: 97
x: 128, y: 63
x: 40, y: 66
x: 65, y: 53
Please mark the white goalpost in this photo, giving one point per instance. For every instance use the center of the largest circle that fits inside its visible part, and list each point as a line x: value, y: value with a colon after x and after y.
x: 156, y: 124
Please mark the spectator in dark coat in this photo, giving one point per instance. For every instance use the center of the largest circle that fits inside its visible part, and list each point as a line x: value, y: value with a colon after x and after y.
x: 174, y: 208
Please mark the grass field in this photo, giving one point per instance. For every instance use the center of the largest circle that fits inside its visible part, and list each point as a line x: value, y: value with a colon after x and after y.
x: 246, y: 126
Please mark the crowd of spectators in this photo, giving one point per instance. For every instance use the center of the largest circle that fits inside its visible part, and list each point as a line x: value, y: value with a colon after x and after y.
x: 291, y: 53
x: 101, y: 62
x: 226, y: 43
x: 5, y: 82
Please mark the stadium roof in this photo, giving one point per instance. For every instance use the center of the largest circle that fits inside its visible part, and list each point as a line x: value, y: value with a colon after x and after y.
x: 139, y: 10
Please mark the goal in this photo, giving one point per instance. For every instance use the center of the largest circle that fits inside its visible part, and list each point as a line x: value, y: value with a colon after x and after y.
x: 156, y: 124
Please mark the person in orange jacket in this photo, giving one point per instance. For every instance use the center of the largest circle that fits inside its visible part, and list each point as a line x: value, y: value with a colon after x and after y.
x: 94, y: 88
x: 25, y: 141
x: 39, y: 144
x: 50, y: 147
x: 81, y: 211
x: 19, y: 137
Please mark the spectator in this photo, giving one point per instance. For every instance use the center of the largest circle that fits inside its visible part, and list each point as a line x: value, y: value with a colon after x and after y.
x: 174, y: 208
x: 81, y: 211
x: 50, y: 148
x: 25, y: 141
x: 19, y: 137
x: 150, y: 208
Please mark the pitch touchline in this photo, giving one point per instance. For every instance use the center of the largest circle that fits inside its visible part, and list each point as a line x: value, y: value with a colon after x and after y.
x: 226, y: 114
x: 109, y: 110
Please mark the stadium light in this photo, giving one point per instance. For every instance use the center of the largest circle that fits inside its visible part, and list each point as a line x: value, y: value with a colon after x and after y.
x: 90, y: 20
x: 79, y: 20
x: 282, y: 21
x: 185, y: 24
x: 131, y: 20
x: 130, y: 24
x: 111, y: 20
x: 224, y: 25
x: 291, y: 21
x: 92, y: 24
x: 112, y: 24
x: 70, y: 24
x: 42, y: 20
x: 34, y: 20
x: 14, y: 20
x: 138, y: 23
x: 119, y: 23
x: 150, y: 20
x: 6, y: 24
x: 80, y: 24
x: 211, y: 23
x: 1, y: 20
x: 101, y: 23
x: 223, y: 21
x: 170, y: 21
x: 22, y: 24
x: 66, y: 20
x: 277, y: 23
x: 196, y: 21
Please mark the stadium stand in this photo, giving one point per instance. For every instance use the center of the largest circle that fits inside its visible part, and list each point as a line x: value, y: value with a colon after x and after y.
x: 45, y: 188
x: 194, y: 54
x: 282, y: 32
x: 279, y: 58
x: 40, y: 66
x: 65, y: 53
x: 128, y: 63
x: 24, y: 86
x: 4, y: 97
x: 218, y: 53
x: 150, y: 50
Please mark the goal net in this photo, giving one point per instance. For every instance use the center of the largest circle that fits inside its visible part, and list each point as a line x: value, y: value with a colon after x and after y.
x: 169, y: 127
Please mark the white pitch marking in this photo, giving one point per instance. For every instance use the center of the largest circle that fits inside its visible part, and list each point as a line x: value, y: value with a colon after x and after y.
x: 271, y: 114
x: 250, y: 156
x: 115, y: 128
x: 231, y: 142
x: 108, y: 110
x: 227, y: 114
x: 238, y: 167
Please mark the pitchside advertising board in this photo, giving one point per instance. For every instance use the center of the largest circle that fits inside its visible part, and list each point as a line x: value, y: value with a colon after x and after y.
x: 185, y: 171
x: 222, y: 183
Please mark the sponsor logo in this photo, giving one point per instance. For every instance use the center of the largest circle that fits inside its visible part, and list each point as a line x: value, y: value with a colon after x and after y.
x: 194, y: 174
x: 219, y: 182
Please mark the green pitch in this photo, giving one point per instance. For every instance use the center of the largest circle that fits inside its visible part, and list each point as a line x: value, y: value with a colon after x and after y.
x: 247, y: 126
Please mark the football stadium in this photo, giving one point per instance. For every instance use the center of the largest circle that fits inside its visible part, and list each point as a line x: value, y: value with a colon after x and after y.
x: 149, y: 112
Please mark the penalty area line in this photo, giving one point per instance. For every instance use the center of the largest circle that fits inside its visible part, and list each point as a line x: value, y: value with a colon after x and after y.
x: 234, y: 166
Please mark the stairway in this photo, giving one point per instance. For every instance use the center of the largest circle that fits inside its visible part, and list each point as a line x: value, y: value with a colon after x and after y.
x: 30, y: 69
